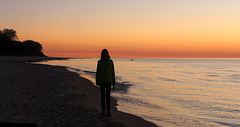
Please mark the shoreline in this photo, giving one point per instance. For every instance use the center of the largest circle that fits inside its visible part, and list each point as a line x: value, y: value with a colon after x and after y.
x: 53, y: 96
x: 165, y: 115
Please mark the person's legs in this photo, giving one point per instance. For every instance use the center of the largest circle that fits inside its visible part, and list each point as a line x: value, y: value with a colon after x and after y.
x: 102, y: 90
x: 108, y: 91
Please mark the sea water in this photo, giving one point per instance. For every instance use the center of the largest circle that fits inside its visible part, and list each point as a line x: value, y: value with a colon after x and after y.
x: 174, y: 92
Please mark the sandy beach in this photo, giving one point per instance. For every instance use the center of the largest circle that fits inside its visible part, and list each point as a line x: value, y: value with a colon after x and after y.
x: 52, y: 96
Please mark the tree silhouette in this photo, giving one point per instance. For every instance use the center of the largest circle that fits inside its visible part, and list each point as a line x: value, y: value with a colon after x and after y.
x: 9, y: 46
x: 32, y: 47
x: 8, y: 34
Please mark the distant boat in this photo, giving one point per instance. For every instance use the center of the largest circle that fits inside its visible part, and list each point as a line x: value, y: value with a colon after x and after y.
x: 131, y: 59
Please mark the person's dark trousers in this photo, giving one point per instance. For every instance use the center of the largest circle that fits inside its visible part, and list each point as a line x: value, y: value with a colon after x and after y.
x: 105, y: 89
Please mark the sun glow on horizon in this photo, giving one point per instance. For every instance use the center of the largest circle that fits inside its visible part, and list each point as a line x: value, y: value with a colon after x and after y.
x: 134, y: 28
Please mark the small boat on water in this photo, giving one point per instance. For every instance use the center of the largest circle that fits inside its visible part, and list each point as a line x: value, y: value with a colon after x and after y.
x: 131, y: 59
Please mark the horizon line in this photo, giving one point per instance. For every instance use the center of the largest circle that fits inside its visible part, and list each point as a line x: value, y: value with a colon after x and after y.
x: 152, y: 57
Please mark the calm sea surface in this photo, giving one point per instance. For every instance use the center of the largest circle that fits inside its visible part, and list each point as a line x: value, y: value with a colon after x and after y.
x: 173, y: 92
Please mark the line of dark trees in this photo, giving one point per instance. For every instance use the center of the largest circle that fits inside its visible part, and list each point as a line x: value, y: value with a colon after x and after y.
x: 10, y: 46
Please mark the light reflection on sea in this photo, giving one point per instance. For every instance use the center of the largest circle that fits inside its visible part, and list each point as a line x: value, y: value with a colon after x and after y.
x: 174, y: 92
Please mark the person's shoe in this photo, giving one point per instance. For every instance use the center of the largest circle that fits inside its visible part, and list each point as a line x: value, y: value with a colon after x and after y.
x: 109, y: 115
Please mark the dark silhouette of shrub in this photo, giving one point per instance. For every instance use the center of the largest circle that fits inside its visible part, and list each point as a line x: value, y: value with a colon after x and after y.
x: 10, y: 47
x: 32, y: 47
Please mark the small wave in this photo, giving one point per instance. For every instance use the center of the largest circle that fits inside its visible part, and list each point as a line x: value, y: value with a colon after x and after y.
x: 208, y: 80
x: 233, y: 78
x: 185, y: 72
x: 230, y: 71
x: 119, y: 79
x: 189, y: 73
x: 223, y: 109
x: 91, y: 72
x: 212, y: 75
x: 144, y: 78
x: 138, y: 102
x: 227, y: 124
x: 122, y: 87
x: 167, y: 79
x: 215, y: 68
x: 75, y: 69
x: 235, y: 75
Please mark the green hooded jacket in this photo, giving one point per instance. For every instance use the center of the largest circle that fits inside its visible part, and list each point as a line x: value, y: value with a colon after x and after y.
x: 105, y: 71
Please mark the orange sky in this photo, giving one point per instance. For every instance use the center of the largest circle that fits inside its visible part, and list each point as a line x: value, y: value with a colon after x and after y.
x: 134, y: 28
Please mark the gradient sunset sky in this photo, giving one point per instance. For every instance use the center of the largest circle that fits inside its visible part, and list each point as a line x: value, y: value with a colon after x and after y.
x: 128, y: 28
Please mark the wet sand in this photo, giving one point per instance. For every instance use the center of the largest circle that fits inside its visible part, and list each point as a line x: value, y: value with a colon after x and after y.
x: 53, y: 96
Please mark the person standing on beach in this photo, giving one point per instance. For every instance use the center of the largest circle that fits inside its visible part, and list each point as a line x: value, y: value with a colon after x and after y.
x: 105, y: 77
